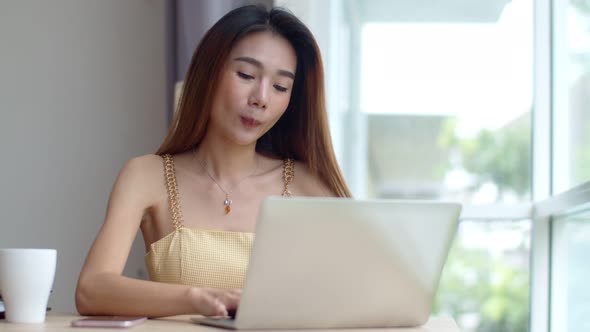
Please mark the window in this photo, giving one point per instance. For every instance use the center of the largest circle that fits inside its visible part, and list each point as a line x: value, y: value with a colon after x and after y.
x: 485, y: 282
x: 486, y: 102
x: 448, y: 104
x: 445, y: 103
x: 570, y: 234
x: 571, y: 111
x: 572, y: 259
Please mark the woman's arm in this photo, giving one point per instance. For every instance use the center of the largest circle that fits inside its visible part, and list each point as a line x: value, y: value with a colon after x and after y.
x: 103, y: 290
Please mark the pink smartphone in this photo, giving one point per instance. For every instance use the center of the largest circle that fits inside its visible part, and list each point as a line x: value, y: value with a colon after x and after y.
x: 108, y: 321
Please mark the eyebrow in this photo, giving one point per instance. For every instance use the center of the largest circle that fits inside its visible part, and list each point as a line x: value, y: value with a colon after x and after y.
x: 259, y: 64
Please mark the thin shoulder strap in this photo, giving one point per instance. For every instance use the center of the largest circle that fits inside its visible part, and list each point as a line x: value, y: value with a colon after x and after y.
x: 172, y: 188
x: 288, y: 175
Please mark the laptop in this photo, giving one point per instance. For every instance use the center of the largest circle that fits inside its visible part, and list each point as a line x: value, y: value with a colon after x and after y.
x: 343, y: 263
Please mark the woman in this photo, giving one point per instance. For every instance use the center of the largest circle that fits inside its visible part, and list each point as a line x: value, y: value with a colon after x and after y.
x: 251, y: 123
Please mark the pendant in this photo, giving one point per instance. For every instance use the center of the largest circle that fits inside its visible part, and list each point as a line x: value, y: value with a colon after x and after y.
x: 227, y: 204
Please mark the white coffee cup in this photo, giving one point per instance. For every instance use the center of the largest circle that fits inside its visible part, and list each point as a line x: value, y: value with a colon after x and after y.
x: 26, y: 278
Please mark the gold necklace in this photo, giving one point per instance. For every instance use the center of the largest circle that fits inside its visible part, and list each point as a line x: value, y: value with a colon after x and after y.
x: 227, y: 202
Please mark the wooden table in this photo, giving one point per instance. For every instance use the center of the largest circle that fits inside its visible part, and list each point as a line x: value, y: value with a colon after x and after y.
x: 61, y: 322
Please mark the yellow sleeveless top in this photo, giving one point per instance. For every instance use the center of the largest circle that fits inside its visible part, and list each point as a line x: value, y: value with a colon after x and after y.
x: 199, y: 257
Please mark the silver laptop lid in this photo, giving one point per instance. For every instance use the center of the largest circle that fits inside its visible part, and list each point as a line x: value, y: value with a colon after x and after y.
x: 336, y: 263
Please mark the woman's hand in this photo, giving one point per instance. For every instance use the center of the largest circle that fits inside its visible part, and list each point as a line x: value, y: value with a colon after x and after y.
x: 214, y: 301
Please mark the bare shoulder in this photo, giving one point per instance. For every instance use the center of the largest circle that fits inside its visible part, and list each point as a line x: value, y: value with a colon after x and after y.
x: 141, y: 175
x: 142, y: 167
x: 305, y: 183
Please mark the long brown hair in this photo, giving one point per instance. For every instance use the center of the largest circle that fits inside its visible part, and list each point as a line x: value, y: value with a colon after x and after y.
x: 302, y: 132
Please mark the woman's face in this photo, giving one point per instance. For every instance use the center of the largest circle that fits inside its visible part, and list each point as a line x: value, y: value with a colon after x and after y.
x: 254, y: 89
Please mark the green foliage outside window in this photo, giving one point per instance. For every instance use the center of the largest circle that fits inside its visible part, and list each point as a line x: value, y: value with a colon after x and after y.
x: 498, y: 156
x: 488, y: 289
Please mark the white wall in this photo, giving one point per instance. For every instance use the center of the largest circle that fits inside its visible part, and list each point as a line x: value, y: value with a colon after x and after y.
x: 82, y: 89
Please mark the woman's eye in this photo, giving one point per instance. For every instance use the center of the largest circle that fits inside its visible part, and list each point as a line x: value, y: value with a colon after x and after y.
x: 245, y: 76
x: 280, y: 88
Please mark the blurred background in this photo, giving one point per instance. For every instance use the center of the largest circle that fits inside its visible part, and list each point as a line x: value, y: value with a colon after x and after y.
x: 484, y: 102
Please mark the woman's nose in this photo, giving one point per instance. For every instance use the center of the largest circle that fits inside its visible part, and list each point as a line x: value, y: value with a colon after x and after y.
x: 259, y: 96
